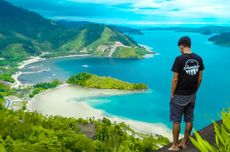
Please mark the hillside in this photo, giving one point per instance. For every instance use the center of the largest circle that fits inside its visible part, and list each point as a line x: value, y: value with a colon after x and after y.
x: 94, y: 81
x: 206, y: 30
x: 123, y: 29
x: 102, y: 40
x: 32, y: 132
x: 221, y: 39
x: 24, y: 33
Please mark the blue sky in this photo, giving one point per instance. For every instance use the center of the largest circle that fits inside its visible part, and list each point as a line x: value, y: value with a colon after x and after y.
x: 133, y: 12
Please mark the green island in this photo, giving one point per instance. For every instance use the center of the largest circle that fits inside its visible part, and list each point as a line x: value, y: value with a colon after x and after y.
x: 89, y: 80
x: 219, y: 35
x: 221, y: 39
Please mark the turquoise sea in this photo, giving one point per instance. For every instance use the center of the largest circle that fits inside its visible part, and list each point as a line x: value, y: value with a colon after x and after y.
x: 153, y: 105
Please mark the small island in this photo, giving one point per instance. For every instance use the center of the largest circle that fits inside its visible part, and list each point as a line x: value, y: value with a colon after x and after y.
x: 222, y: 39
x: 89, y: 80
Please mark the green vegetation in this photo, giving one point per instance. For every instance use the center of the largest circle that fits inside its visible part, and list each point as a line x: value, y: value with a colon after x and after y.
x: 123, y: 29
x: 24, y: 131
x: 5, y: 91
x: 32, y: 132
x: 129, y: 52
x: 24, y: 105
x: 222, y: 136
x: 5, y: 74
x: 221, y: 39
x: 93, y: 81
x: 6, y: 77
x: 24, y: 33
x: 43, y: 86
x: 99, y: 40
x: 128, y: 30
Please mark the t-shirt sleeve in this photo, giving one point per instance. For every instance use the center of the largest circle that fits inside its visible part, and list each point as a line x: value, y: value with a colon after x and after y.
x: 176, y: 66
x: 201, y: 65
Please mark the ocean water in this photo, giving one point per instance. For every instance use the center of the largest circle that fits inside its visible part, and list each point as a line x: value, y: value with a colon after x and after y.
x: 153, y: 105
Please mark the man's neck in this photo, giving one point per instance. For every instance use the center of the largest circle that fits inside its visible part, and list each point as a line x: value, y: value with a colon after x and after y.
x: 187, y: 51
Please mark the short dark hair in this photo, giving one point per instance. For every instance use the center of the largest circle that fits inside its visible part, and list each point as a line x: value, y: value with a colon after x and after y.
x: 185, y: 41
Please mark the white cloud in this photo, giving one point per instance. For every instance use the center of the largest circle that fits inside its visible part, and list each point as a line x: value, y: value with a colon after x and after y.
x: 107, y: 2
x: 173, y: 8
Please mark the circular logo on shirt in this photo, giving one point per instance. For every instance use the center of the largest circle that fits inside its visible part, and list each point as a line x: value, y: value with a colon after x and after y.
x: 191, y: 67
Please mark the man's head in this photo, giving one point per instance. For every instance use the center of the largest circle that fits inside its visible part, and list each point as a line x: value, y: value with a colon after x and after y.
x: 184, y: 43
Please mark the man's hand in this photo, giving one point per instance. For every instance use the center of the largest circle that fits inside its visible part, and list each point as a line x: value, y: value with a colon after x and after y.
x: 199, y: 80
x: 174, y: 84
x: 171, y: 97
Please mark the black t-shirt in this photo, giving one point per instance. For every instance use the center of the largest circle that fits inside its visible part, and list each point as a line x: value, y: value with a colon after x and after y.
x: 188, y: 67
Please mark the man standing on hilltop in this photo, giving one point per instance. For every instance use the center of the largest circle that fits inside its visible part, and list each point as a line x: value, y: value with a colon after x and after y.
x: 187, y: 77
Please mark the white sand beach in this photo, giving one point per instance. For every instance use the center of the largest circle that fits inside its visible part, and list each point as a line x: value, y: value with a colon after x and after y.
x: 17, y: 83
x: 15, y: 76
x: 69, y: 101
x: 32, y: 59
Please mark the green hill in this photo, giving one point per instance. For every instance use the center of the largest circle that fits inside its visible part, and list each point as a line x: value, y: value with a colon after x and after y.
x: 94, y: 81
x: 101, y: 40
x: 221, y: 39
x: 123, y: 29
x: 24, y: 33
x: 221, y: 34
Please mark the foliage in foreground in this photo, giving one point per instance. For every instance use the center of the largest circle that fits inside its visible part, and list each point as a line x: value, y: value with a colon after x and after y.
x: 222, y: 137
x: 32, y: 132
x: 93, y: 81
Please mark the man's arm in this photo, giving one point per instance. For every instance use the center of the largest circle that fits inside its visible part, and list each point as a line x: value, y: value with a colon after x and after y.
x: 199, y: 79
x: 174, y: 83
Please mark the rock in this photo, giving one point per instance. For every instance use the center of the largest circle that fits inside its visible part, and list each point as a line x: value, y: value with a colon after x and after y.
x: 206, y: 133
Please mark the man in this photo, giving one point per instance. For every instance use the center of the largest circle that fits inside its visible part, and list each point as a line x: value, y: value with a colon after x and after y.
x: 186, y: 80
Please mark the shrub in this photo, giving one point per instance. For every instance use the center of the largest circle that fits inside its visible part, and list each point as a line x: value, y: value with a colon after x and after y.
x: 222, y: 137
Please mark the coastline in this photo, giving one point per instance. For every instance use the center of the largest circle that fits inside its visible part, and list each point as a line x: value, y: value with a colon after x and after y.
x: 84, y: 109
x: 150, y: 50
x: 31, y: 60
x: 74, y: 104
x: 34, y: 59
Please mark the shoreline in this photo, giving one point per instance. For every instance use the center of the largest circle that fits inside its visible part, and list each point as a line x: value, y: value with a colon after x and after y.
x: 74, y: 104
x: 150, y: 50
x: 89, y: 111
x: 34, y: 59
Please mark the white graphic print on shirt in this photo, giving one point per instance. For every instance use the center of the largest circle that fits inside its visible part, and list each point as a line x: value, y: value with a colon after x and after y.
x: 191, y: 67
